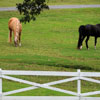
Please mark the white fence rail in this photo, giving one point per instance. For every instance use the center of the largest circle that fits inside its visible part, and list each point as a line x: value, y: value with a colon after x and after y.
x: 74, y: 76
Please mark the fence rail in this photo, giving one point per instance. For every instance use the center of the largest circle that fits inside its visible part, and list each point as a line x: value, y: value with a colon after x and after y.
x: 74, y: 76
x: 51, y: 73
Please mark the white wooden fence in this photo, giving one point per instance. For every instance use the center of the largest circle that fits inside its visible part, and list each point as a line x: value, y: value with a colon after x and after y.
x: 74, y: 76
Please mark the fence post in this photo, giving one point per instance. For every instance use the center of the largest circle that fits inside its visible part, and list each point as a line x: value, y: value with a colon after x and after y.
x: 79, y: 84
x: 0, y: 84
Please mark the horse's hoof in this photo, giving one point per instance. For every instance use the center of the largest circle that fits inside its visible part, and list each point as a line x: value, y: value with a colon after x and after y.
x: 80, y: 47
x: 87, y: 48
x: 20, y: 44
x: 16, y: 45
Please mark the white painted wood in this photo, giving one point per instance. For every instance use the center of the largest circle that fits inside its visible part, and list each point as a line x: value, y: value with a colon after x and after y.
x: 0, y: 83
x: 50, y: 73
x: 90, y: 74
x: 41, y: 73
x: 32, y: 88
x: 75, y: 76
x: 89, y: 98
x: 39, y: 85
x: 79, y: 83
x: 90, y: 93
x: 48, y: 98
x: 63, y: 81
x: 90, y: 80
x: 39, y: 98
x: 19, y: 90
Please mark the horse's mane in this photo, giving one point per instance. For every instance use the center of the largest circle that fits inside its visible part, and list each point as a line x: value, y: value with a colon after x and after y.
x: 17, y: 28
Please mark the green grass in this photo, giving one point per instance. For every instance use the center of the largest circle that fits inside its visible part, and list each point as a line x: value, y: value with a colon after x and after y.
x: 8, y: 3
x: 49, y: 43
x: 72, y: 2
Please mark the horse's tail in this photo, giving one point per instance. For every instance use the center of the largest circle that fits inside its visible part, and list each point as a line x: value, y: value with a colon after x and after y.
x: 81, y: 32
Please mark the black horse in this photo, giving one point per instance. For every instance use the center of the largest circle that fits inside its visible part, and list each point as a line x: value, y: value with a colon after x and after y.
x: 87, y: 31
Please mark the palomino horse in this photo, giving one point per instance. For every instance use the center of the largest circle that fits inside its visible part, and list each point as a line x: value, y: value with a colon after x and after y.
x: 15, y: 26
x: 87, y: 31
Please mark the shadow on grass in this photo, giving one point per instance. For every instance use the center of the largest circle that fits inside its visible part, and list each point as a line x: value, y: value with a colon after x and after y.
x: 82, y: 67
x: 46, y: 61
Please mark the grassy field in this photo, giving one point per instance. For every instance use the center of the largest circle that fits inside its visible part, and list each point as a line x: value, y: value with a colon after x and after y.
x: 49, y: 43
x: 7, y: 3
x: 72, y: 2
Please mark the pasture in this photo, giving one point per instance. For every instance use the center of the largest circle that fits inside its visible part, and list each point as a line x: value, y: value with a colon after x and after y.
x: 8, y: 3
x: 50, y: 43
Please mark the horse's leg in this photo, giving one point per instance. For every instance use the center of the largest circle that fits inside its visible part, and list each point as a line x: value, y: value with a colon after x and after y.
x: 10, y: 36
x: 20, y: 39
x: 79, y: 41
x: 95, y: 42
x: 82, y: 38
x: 15, y: 39
x: 87, y: 42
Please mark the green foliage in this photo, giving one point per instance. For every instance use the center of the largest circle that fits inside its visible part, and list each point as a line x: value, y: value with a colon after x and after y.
x: 31, y: 8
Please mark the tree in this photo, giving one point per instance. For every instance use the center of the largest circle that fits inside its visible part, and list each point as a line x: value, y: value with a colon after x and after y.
x: 30, y: 9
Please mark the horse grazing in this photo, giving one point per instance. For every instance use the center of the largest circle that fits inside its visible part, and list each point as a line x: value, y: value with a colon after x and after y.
x: 87, y: 31
x: 15, y: 26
